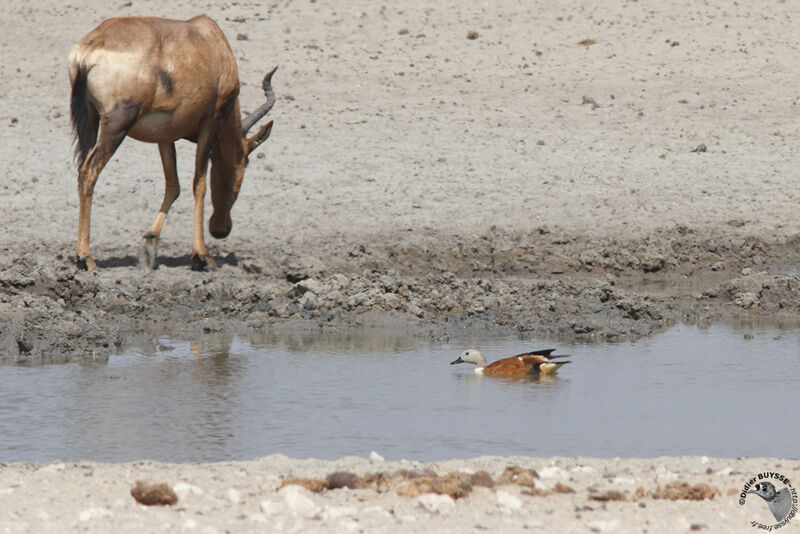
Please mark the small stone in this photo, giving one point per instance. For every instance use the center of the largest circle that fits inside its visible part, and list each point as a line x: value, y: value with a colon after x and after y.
x: 298, y: 503
x: 270, y: 508
x: 182, y: 489
x: 437, y: 504
x: 343, y: 479
x: 482, y: 478
x: 309, y: 285
x: 374, y: 457
x: 603, y: 526
x: 415, y: 310
x: 472, y: 35
x: 94, y: 512
x: 552, y: 471
x: 233, y: 496
x: 151, y: 494
x: 53, y: 467
x: 338, y: 512
x: 242, y: 37
x: 508, y: 501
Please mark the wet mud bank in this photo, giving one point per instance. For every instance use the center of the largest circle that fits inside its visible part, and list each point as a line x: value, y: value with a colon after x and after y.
x: 548, y: 284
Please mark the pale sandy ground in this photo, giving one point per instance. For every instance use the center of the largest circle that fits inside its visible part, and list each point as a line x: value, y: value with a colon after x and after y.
x: 247, y: 497
x: 389, y: 119
x: 393, y: 130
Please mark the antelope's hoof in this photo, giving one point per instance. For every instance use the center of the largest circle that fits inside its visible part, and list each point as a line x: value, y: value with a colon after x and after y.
x: 203, y: 263
x: 150, y: 250
x: 85, y: 263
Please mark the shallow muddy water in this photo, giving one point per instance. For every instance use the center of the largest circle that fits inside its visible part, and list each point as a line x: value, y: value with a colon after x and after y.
x: 717, y: 391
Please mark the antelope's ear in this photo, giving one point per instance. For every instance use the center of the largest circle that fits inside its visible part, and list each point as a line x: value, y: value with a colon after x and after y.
x: 252, y: 143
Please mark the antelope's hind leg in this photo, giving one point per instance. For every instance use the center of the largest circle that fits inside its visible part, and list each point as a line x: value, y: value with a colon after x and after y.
x: 113, y: 128
x: 171, y: 191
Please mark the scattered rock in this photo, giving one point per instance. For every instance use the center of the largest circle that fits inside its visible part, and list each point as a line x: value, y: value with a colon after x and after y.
x: 338, y: 512
x: 341, y: 479
x: 610, y: 525
x: 271, y: 508
x: 508, y: 501
x: 311, y: 484
x: 482, y: 479
x: 436, y: 503
x: 93, y: 513
x: 590, y: 100
x: 298, y: 503
x: 518, y: 476
x: 151, y: 494
x: 472, y: 35
x: 606, y: 496
x: 675, y: 491
x: 182, y: 489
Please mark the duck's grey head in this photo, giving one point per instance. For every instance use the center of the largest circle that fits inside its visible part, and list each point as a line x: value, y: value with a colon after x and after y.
x: 471, y: 356
x: 765, y: 490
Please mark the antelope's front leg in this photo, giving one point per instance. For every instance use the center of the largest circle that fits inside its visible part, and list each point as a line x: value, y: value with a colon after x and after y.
x: 171, y: 192
x: 201, y: 260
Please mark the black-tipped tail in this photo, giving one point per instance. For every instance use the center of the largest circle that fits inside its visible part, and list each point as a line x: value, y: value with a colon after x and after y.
x: 82, y: 126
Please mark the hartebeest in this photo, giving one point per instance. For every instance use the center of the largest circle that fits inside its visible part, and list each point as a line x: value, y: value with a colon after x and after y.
x: 160, y: 80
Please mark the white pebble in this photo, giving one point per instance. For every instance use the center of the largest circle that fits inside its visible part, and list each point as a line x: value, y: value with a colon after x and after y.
x: 52, y: 467
x: 552, y: 471
x: 336, y: 512
x: 374, y: 457
x: 182, y: 489
x: 583, y: 469
x: 93, y: 513
x: 437, y: 504
x: 270, y: 508
x: 603, y: 526
x: 298, y: 503
x: 233, y: 496
x: 508, y: 501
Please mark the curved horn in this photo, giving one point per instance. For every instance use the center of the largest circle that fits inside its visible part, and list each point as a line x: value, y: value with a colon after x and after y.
x: 256, y: 116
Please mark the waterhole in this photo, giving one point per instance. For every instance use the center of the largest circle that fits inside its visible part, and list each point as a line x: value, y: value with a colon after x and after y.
x: 717, y: 391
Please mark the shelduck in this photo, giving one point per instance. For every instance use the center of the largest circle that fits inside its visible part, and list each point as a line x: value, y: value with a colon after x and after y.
x: 535, y: 363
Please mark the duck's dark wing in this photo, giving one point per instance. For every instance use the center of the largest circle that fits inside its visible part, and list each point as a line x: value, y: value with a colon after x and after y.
x: 547, y: 353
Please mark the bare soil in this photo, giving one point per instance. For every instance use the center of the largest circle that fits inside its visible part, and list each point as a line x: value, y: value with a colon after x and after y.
x: 522, y: 169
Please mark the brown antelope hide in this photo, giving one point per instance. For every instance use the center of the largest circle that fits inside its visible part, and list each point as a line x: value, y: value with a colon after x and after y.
x: 160, y: 80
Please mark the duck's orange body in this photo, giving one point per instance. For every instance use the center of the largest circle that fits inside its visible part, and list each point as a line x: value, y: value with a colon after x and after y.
x: 533, y: 363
